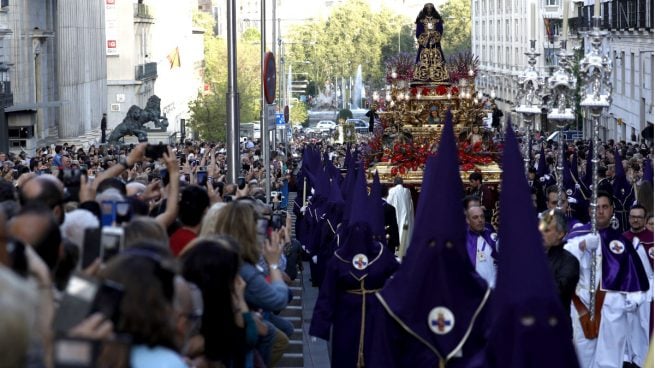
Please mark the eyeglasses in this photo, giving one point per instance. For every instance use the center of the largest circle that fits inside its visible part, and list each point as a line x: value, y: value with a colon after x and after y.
x: 636, y: 217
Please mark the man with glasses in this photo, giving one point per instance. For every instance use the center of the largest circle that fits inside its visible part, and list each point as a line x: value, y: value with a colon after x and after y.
x: 642, y: 239
x: 613, y: 336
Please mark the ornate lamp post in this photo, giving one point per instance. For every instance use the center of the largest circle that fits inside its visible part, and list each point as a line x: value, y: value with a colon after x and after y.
x: 528, y: 99
x: 562, y: 85
x: 595, y: 70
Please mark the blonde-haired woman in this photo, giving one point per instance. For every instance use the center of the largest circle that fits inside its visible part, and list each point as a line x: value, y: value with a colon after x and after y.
x: 240, y: 219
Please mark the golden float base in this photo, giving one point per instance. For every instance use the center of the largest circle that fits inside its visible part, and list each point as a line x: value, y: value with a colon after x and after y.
x: 491, y: 174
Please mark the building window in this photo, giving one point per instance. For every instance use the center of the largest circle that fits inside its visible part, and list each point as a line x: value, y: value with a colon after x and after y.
x: 4, y: 3
x: 552, y: 2
x: 19, y: 135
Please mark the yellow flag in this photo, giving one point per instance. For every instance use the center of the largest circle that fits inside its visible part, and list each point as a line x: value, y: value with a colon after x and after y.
x: 174, y: 58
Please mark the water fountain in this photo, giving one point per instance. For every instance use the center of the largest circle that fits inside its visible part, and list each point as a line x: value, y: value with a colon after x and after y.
x: 357, y: 89
x: 356, y: 95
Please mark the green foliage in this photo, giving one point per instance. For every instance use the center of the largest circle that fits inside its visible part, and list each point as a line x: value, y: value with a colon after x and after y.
x: 208, y: 117
x: 298, y: 113
x: 204, y: 21
x: 353, y: 34
x: 251, y: 35
x: 208, y: 113
x: 456, y: 16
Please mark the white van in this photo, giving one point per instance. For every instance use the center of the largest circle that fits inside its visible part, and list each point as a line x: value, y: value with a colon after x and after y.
x: 251, y: 130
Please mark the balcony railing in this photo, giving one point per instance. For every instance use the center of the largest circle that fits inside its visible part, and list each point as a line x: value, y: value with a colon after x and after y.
x: 146, y: 71
x: 143, y: 11
x: 620, y: 15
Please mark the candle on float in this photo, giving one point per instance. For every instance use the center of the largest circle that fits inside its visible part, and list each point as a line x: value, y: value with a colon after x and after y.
x: 533, y: 20
x: 565, y: 20
x: 597, y: 8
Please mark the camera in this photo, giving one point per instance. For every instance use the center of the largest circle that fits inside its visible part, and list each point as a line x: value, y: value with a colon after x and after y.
x: 112, y: 240
x: 201, y: 176
x: 278, y: 220
x: 241, y: 182
x: 115, y: 212
x: 71, y: 177
x: 156, y: 151
x: 165, y: 178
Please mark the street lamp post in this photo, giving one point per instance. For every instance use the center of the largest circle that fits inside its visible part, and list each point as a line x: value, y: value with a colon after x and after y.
x: 528, y: 103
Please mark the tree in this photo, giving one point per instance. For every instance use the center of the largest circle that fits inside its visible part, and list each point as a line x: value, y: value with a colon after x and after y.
x: 350, y: 36
x: 298, y: 113
x: 208, y: 117
x: 208, y: 113
x: 456, y: 16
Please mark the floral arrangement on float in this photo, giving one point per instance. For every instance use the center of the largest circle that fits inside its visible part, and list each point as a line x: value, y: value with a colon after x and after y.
x: 400, y: 67
x: 472, y: 155
x: 460, y: 66
x: 406, y: 157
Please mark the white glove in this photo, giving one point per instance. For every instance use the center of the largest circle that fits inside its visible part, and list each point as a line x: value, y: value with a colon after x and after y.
x: 315, y: 259
x: 630, y: 306
x: 303, y: 209
x: 591, y: 242
x: 633, y: 300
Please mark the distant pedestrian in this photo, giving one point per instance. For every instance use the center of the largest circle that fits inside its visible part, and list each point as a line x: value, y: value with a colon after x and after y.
x: 496, y: 114
x: 103, y: 129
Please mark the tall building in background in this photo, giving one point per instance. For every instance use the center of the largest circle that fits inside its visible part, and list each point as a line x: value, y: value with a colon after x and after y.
x: 500, y: 35
x: 179, y: 52
x: 630, y: 45
x: 6, y: 94
x: 205, y: 6
x: 131, y: 64
x: 153, y: 49
x: 52, y: 62
x: 501, y: 31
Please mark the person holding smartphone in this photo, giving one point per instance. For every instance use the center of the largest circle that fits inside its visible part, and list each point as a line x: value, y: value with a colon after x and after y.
x: 238, y: 220
x: 148, y: 305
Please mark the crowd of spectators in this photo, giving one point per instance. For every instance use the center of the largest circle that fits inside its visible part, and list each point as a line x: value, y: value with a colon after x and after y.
x: 144, y: 256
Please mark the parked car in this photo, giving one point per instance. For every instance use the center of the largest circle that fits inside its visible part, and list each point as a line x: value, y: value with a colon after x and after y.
x: 326, y: 125
x: 361, y: 126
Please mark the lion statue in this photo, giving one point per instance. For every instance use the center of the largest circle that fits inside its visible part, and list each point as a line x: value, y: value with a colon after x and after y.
x: 136, y: 118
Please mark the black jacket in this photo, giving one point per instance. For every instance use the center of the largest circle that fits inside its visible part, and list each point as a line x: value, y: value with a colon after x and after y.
x: 391, y: 227
x: 566, y: 271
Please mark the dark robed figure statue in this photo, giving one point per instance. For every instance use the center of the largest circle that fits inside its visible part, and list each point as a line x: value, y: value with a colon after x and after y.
x: 430, y: 63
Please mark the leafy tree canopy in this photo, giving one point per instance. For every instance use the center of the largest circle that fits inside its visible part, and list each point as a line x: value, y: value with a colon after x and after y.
x: 456, y: 16
x: 208, y: 113
x: 353, y: 34
x: 298, y: 113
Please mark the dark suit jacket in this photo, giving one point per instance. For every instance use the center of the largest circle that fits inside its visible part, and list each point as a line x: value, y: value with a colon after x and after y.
x: 566, y: 272
x: 391, y: 227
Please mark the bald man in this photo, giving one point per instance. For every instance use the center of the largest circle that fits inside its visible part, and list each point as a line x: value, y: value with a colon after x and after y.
x: 481, y: 245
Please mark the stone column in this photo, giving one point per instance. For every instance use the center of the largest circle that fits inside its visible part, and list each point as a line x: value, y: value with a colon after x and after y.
x: 81, y: 65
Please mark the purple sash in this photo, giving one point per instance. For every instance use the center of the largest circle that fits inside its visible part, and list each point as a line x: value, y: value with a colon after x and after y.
x: 622, y: 269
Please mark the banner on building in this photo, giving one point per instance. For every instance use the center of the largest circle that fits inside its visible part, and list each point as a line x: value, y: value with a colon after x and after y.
x: 111, y: 27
